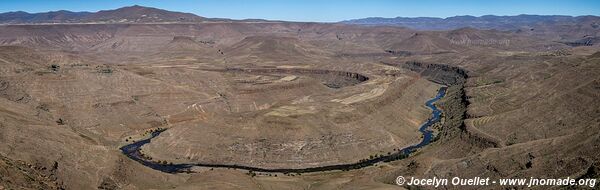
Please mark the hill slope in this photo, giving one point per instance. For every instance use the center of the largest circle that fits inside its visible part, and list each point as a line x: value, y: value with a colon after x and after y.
x: 132, y: 14
x: 482, y: 22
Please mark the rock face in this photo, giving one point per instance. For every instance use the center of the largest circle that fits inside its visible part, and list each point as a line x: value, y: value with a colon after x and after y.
x: 439, y: 73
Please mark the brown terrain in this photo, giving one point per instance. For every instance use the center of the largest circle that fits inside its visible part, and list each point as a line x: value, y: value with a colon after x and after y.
x: 283, y: 95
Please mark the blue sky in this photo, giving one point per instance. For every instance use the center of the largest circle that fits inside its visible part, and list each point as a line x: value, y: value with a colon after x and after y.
x: 322, y: 10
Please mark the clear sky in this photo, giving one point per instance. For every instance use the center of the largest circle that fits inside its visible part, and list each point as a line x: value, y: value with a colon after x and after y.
x: 322, y: 10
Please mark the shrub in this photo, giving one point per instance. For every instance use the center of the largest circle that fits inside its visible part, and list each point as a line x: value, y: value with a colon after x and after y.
x: 106, y: 70
x: 54, y: 67
x: 60, y: 121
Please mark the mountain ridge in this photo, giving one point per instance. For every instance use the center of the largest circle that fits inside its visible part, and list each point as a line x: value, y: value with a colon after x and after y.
x: 129, y: 14
x: 143, y: 14
x: 480, y: 22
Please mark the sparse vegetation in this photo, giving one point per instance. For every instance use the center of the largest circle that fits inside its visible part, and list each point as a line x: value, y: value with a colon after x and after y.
x: 106, y: 70
x: 295, y: 97
x: 251, y: 173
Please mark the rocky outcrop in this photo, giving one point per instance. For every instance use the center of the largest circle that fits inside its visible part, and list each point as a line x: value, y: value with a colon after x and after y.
x: 439, y: 73
x: 587, y: 41
x: 10, y: 92
x: 330, y: 78
x: 16, y: 174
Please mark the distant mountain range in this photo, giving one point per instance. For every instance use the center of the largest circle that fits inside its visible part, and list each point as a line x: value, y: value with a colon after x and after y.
x: 132, y: 14
x: 482, y: 22
x: 538, y: 25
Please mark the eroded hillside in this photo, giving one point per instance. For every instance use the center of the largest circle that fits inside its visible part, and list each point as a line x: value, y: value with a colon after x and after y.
x: 288, y: 95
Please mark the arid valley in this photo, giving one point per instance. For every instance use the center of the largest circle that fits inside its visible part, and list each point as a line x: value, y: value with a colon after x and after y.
x: 145, y: 98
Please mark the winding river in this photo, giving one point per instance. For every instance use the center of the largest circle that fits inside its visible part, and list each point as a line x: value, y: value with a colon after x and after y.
x: 133, y: 152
